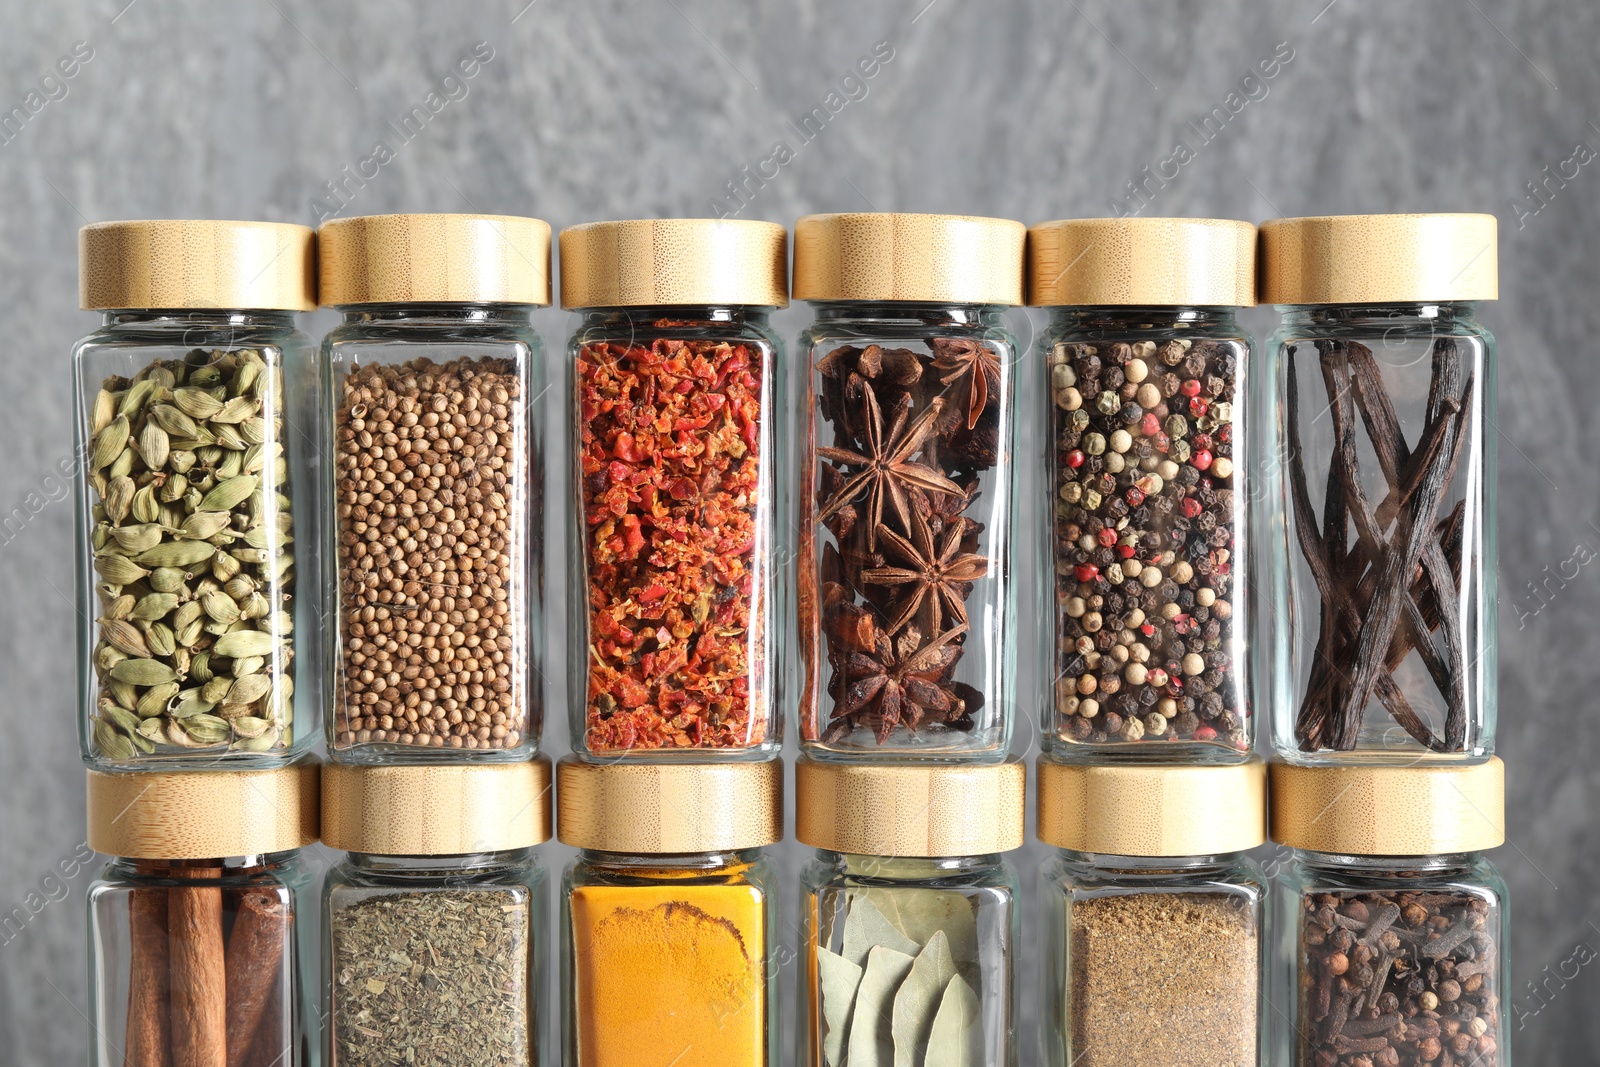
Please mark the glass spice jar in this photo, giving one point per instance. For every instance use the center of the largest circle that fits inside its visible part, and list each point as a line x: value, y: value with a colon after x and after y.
x: 195, y: 404
x: 431, y: 385
x: 668, y: 913
x: 1147, y: 368
x: 910, y: 912
x: 1381, y: 588
x: 434, y: 923
x: 1154, y: 953
x: 200, y: 930
x: 906, y: 487
x: 677, y: 389
x: 1392, y: 921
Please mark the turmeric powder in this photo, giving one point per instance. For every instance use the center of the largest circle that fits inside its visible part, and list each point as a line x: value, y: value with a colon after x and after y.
x: 669, y: 975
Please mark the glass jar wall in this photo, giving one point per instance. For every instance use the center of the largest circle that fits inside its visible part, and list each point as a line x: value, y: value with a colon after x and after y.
x: 195, y: 421
x: 1382, y: 592
x: 909, y: 912
x: 669, y: 915
x: 1147, y: 369
x: 906, y: 485
x: 1155, y: 952
x: 677, y: 395
x: 434, y: 383
x: 434, y: 924
x: 199, y: 959
x: 1399, y: 957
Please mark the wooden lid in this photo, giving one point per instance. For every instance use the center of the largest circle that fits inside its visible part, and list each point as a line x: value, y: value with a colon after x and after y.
x: 957, y: 259
x: 196, y: 263
x: 650, y: 808
x: 197, y: 815
x: 437, y: 809
x: 911, y: 809
x: 1153, y: 809
x: 1372, y: 810
x: 418, y: 259
x: 1353, y: 259
x: 1142, y: 262
x: 653, y: 262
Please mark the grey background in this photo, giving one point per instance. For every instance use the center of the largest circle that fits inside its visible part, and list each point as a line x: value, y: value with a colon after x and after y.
x: 1025, y: 110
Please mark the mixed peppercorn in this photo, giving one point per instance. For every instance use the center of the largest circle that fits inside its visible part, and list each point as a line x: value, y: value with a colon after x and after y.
x: 1145, y: 519
x: 670, y: 455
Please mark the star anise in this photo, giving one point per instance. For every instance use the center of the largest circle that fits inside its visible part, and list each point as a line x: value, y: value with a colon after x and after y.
x: 899, y: 682
x: 886, y: 466
x: 938, y: 573
x: 971, y: 367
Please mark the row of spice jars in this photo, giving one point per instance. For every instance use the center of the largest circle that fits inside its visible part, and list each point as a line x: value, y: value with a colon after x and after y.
x: 1157, y: 936
x: 201, y: 414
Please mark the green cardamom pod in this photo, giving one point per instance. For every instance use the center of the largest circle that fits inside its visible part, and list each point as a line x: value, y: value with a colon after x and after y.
x: 177, y: 554
x: 250, y: 555
x: 154, y: 446
x: 124, y: 694
x: 145, y: 508
x: 244, y: 379
x: 200, y: 670
x: 196, y: 403
x: 166, y: 579
x: 188, y: 636
x: 152, y: 730
x: 249, y: 689
x: 248, y: 665
x: 138, y: 394
x: 233, y: 465
x: 255, y: 606
x: 192, y: 702
x: 254, y: 431
x: 215, y: 690
x: 250, y: 726
x: 118, y: 570
x: 207, y: 729
x: 220, y: 607
x: 204, y: 525
x: 176, y: 735
x: 124, y: 636
x: 239, y: 587
x: 121, y: 607
x: 119, y: 717
x: 236, y: 410
x: 181, y: 461
x: 224, y: 566
x: 153, y: 606
x: 162, y: 640
x: 138, y: 538
x: 122, y: 466
x: 156, y: 699
x: 187, y: 613
x: 174, y: 421
x: 109, y: 443
x: 174, y: 489
x: 106, y: 657
x: 119, y: 498
x: 143, y: 672
x: 208, y: 376
x: 230, y: 493
x: 110, y: 742
x: 102, y: 411
x: 101, y: 537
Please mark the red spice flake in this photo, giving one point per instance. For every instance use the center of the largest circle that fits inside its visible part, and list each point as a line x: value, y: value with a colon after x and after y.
x: 671, y: 464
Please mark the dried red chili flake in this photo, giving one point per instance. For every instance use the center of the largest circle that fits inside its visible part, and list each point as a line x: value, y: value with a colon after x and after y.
x: 670, y: 458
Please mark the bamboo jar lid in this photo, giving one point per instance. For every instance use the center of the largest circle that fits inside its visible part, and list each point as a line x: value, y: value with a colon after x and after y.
x: 1142, y: 262
x: 197, y: 815
x: 450, y: 259
x: 956, y: 259
x: 910, y: 809
x: 657, y: 808
x: 1150, y: 809
x: 1352, y: 259
x: 653, y: 262
x: 196, y: 263
x: 444, y: 809
x: 1420, y: 810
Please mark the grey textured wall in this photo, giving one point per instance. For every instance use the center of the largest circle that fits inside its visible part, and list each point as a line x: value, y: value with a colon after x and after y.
x: 1026, y: 110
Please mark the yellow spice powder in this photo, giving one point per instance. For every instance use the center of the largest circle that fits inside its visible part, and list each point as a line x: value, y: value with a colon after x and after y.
x: 669, y: 975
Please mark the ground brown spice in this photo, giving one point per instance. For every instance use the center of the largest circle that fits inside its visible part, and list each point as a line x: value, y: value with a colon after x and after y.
x: 1163, y: 980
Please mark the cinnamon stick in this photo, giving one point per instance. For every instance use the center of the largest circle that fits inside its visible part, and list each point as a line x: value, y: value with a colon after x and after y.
x: 254, y: 962
x: 147, y: 1042
x: 199, y: 972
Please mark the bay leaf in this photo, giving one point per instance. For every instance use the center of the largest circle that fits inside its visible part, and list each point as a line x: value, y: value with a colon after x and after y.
x: 865, y: 926
x: 871, y: 1042
x: 918, y: 999
x: 918, y: 913
x: 956, y: 1039
x: 838, y: 980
